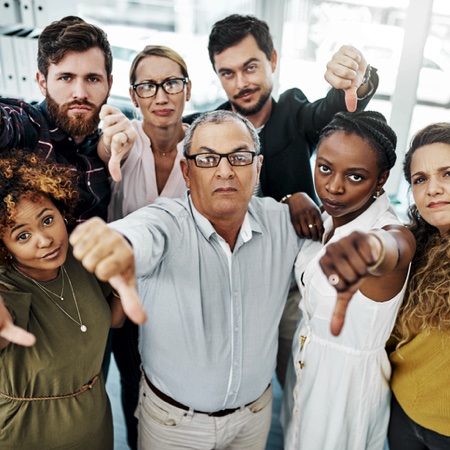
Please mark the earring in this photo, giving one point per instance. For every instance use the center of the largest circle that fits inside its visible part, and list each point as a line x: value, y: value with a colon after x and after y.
x: 377, y: 194
x: 66, y: 221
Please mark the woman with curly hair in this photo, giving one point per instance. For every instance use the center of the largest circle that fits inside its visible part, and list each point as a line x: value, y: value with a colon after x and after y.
x: 420, y: 410
x: 52, y: 393
x: 339, y: 385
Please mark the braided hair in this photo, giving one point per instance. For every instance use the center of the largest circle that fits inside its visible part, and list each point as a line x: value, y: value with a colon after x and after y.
x: 370, y: 126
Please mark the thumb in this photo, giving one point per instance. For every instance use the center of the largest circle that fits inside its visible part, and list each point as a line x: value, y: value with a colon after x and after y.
x: 129, y: 298
x: 106, y: 110
x: 340, y: 309
x: 114, y: 166
x: 351, y: 98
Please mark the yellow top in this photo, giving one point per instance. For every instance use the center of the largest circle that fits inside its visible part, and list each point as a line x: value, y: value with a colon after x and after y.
x: 421, y: 380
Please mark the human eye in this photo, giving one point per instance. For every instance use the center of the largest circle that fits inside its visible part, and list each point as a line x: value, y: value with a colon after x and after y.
x: 251, y: 68
x: 227, y: 74
x: 93, y: 79
x: 65, y: 78
x: 22, y: 237
x: 355, y: 177
x: 324, y: 169
x: 48, y: 220
x: 418, y: 180
x: 240, y: 158
x: 206, y: 159
x: 146, y: 87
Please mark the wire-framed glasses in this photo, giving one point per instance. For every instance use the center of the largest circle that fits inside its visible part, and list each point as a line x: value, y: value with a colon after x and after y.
x: 170, y: 86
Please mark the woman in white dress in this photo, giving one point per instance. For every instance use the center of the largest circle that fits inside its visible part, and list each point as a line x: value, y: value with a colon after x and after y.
x: 159, y: 88
x: 339, y: 384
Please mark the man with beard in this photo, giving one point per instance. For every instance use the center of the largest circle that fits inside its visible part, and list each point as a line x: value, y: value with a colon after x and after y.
x: 75, y: 65
x: 242, y: 54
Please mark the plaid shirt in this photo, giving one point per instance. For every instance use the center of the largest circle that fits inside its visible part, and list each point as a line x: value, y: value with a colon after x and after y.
x: 30, y: 127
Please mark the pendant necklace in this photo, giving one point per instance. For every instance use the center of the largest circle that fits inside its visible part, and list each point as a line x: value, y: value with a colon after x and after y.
x: 47, y: 292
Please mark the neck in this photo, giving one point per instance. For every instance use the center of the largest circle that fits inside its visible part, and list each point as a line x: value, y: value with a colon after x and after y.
x: 262, y: 117
x: 228, y: 230
x: 166, y: 139
x: 37, y: 274
x: 78, y: 139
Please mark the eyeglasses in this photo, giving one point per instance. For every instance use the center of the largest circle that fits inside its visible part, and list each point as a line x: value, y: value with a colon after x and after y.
x: 207, y: 160
x: 171, y: 86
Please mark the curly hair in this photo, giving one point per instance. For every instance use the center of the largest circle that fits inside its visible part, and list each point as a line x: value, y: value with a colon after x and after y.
x: 233, y: 29
x: 370, y: 126
x: 426, y: 305
x: 28, y: 175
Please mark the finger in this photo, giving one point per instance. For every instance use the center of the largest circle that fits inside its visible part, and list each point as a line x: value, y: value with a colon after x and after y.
x: 17, y: 335
x: 114, y: 164
x: 107, y: 110
x: 340, y: 310
x: 351, y: 98
x: 129, y: 298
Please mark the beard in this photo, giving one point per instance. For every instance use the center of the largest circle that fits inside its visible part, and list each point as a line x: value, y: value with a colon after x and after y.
x: 75, y: 125
x: 255, y: 109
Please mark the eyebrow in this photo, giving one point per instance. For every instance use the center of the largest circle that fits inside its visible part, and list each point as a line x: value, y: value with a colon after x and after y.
x: 205, y: 149
x: 246, y: 63
x: 349, y: 169
x: 71, y: 74
x: 21, y: 225
x: 439, y: 169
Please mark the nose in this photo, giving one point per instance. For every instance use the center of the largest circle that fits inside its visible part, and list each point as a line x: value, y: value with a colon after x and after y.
x: 44, y: 240
x: 335, y: 185
x: 434, y: 187
x: 80, y: 89
x: 241, y: 80
x: 224, y: 169
x: 161, y: 96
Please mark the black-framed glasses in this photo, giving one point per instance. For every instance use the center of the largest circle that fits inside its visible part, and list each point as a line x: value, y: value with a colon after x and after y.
x: 207, y: 160
x: 170, y: 86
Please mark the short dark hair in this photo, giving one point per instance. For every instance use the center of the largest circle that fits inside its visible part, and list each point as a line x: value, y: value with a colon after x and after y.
x: 371, y: 126
x: 230, y: 31
x: 71, y: 34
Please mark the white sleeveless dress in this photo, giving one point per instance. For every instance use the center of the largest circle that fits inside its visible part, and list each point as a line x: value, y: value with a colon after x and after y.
x: 340, y: 387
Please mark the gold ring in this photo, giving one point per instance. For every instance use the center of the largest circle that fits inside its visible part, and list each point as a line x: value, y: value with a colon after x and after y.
x: 333, y: 279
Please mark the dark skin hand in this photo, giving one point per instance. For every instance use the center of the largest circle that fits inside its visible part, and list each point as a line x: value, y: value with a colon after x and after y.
x: 304, y: 213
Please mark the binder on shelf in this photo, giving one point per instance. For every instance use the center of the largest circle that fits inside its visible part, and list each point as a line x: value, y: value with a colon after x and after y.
x: 8, y: 62
x: 47, y: 11
x: 32, y: 48
x: 9, y: 12
x: 27, y: 13
x: 23, y: 66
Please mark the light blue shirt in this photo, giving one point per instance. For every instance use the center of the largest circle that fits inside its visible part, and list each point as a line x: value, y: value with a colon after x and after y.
x: 211, y: 337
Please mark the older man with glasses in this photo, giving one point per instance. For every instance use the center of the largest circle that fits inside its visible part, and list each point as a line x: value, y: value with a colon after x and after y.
x: 214, y: 269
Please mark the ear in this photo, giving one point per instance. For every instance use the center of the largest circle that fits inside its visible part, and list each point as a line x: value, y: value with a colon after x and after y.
x: 274, y: 60
x: 133, y: 97
x: 382, y: 180
x: 110, y: 82
x: 42, y: 82
x: 188, y: 90
x: 184, y: 165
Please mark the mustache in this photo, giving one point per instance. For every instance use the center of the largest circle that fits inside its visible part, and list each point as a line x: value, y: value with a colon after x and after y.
x: 79, y: 103
x: 244, y: 92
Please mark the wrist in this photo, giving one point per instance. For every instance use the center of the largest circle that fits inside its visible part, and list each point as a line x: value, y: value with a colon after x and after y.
x: 286, y: 198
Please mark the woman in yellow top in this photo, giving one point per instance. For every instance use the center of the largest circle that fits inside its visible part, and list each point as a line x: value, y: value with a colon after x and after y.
x: 420, y: 411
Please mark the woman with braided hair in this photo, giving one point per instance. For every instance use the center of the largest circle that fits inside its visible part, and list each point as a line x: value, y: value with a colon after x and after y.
x: 339, y: 382
x: 420, y: 408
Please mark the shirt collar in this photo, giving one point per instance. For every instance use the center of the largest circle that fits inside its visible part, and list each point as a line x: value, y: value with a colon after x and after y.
x: 206, y: 228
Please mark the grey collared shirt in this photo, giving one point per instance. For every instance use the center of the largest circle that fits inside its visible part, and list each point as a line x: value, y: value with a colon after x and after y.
x: 210, y: 340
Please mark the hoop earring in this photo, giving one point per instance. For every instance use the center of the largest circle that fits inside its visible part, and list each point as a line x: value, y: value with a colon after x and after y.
x: 66, y: 221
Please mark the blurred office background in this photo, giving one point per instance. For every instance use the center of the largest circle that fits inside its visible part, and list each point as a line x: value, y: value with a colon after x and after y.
x: 408, y: 41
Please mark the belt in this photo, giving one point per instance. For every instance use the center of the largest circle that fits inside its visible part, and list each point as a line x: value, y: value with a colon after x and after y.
x: 171, y: 401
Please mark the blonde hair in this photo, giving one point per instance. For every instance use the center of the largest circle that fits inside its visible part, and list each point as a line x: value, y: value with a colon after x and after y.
x: 157, y: 50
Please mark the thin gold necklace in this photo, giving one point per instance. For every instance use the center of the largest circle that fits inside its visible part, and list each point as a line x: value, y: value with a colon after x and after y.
x: 47, y: 292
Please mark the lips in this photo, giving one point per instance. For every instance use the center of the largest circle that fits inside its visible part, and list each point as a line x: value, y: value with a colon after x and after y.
x: 52, y: 254
x: 225, y: 190
x: 332, y: 204
x: 433, y: 205
x: 162, y: 112
x: 245, y: 93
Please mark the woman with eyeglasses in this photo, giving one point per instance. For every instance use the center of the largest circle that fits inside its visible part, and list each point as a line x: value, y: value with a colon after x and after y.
x: 159, y: 88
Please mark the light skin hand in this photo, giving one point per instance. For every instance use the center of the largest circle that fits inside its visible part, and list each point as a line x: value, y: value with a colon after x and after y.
x: 118, y: 137
x: 346, y: 71
x: 12, y: 333
x: 304, y: 212
x: 109, y: 255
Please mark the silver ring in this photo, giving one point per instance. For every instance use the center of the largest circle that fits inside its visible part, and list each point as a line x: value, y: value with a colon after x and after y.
x: 333, y: 279
x: 311, y: 225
